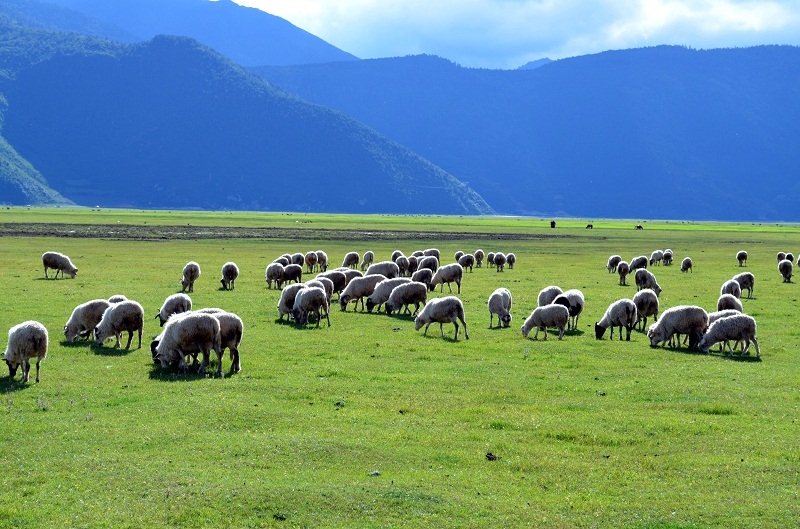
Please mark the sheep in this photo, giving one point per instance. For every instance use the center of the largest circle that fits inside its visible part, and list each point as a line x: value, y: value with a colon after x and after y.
x: 544, y: 317
x: 118, y: 317
x: 714, y: 316
x: 621, y: 313
x: 274, y: 273
x: 741, y: 256
x: 747, y: 281
x: 490, y: 258
x: 574, y: 301
x: 731, y: 287
x: 418, y: 254
x: 369, y: 257
x: 790, y: 256
x: 739, y: 327
x: 116, y: 298
x: 682, y: 319
x: 432, y: 252
x: 479, y: 256
x: 349, y: 275
x: 467, y: 261
x: 511, y: 260
x: 282, y: 261
x: 430, y: 262
x: 326, y: 285
x: 338, y: 279
x: 458, y: 255
x: 500, y: 303
x: 441, y: 311
x: 60, y: 263
x: 174, y: 304
x: 638, y: 262
x: 611, y: 264
x: 84, y: 319
x: 293, y: 272
x: 358, y: 289
x: 402, y: 264
x: 395, y: 255
x: 656, y: 256
x: 190, y: 333
x: 191, y: 272
x: 548, y: 294
x: 286, y: 302
x: 423, y: 275
x: 382, y: 292
x: 686, y: 265
x: 229, y: 274
x: 297, y: 258
x: 231, y: 329
x: 645, y: 279
x: 500, y: 261
x: 387, y: 269
x: 623, y: 269
x: 785, y: 268
x: 311, y: 261
x: 322, y: 261
x: 781, y: 256
x: 646, y: 302
x: 308, y: 300
x: 413, y: 264
x: 447, y: 274
x: 403, y: 295
x: 288, y: 258
x: 350, y: 260
x: 729, y: 301
x: 26, y: 340
x: 668, y: 257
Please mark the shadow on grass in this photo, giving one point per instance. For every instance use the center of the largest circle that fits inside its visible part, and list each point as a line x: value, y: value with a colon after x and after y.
x: 173, y: 374
x: 8, y: 384
x: 102, y: 350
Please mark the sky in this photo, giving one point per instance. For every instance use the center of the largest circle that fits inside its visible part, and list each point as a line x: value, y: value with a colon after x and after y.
x: 509, y: 33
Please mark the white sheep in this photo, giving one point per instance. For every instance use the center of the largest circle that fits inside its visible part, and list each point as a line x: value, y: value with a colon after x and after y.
x: 274, y: 273
x: 404, y: 295
x: 423, y: 275
x: 781, y: 256
x: 359, y: 289
x: 574, y: 301
x: 645, y: 279
x: 403, y: 264
x: 611, y: 264
x: 297, y: 258
x: 337, y: 278
x: 174, y: 304
x: 322, y: 261
x: 286, y: 301
x: 458, y: 255
x: 387, y: 269
x: 656, y: 256
x: 479, y: 256
x: 546, y: 316
x: 747, y: 281
x: 116, y: 298
x: 500, y: 261
x: 467, y: 261
x: 646, y: 302
x: 310, y: 299
x: 395, y: 255
x: 638, y: 262
x: 187, y: 334
x: 714, y: 316
x: 442, y: 310
x: 119, y: 317
x: 786, y: 267
x: 623, y: 269
x: 292, y: 272
x: 621, y: 313
x: 231, y: 329
x: 368, y: 259
x: 731, y: 287
x: 229, y: 274
x: 500, y: 303
x: 682, y: 319
x: 326, y: 285
x: 26, y: 340
x: 511, y: 260
x: 311, y: 261
x: 668, y: 257
x: 350, y: 260
x: 191, y: 272
x: 741, y: 256
x: 686, y: 265
x: 84, y: 319
x: 548, y: 294
x: 447, y: 274
x: 60, y: 263
x: 738, y: 327
x: 729, y: 301
x: 382, y: 292
x: 430, y: 262
x: 432, y: 252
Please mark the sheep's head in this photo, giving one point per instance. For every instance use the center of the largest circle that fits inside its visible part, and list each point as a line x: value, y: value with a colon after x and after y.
x: 12, y: 368
x: 343, y: 301
x: 599, y: 331
x: 506, y: 319
x: 370, y: 304
x: 418, y: 323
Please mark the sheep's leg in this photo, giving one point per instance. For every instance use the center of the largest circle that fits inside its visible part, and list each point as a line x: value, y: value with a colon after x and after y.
x: 118, y: 336
x: 448, y: 287
x: 426, y: 329
x: 130, y: 339
x: 204, y: 362
x: 416, y: 308
x: 26, y: 369
x: 441, y: 328
x: 220, y: 355
x: 755, y: 342
x: 38, y: 361
x: 182, y: 366
x: 455, y: 324
x: 491, y: 317
x: 458, y: 283
x: 45, y: 273
x: 464, y: 323
x: 544, y: 327
x: 318, y: 315
x: 560, y: 333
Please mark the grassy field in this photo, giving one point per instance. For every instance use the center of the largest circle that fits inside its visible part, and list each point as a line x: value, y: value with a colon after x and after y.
x: 371, y: 424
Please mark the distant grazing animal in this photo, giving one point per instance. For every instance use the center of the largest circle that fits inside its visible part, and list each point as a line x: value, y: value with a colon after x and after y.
x: 190, y: 274
x: 683, y: 319
x: 369, y: 257
x: 479, y: 256
x: 274, y: 273
x: 646, y: 302
x: 621, y: 313
x: 322, y: 260
x: 747, y: 281
x: 548, y: 294
x: 638, y: 262
x: 589, y: 226
x: 186, y: 334
x: 60, y: 263
x: 552, y: 224
x: 350, y: 260
x: 645, y: 279
x: 229, y: 274
x: 623, y: 270
x: 511, y: 260
x: 402, y: 296
x: 639, y: 227
x: 311, y: 261
x: 785, y: 267
x: 741, y: 256
x: 447, y: 274
x: 174, y: 304
x: 467, y: 261
x: 500, y: 303
x: 686, y: 265
x: 611, y: 264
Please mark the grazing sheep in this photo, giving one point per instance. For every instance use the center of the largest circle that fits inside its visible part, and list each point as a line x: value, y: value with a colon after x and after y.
x: 490, y: 259
x: 282, y: 261
x: 60, y: 263
x: 339, y: 280
x: 646, y: 302
x: 293, y: 272
x: 116, y: 298
x: 714, y: 316
x: 729, y: 301
x: 350, y: 260
x: 621, y: 313
x: 26, y: 340
x: 325, y: 284
x: 741, y: 256
x: 447, y: 274
x: 441, y: 311
x: 548, y: 294
x: 683, y: 319
x: 511, y: 260
x: 500, y: 261
x: 781, y: 256
x: 668, y: 257
x: 790, y: 256
x: 423, y: 275
x: 638, y: 262
x: 574, y: 301
x: 84, y: 319
x: 785, y: 267
x: 418, y: 253
x: 458, y: 255
x: 686, y: 265
x: 544, y: 317
x: 402, y: 264
x: 311, y: 261
x: 322, y: 261
x: 623, y: 269
x: 413, y: 264
x: 274, y: 273
x: 387, y: 269
x: 118, y: 317
x: 174, y: 304
x: 746, y: 281
x: 288, y: 295
x: 382, y: 292
x: 731, y: 287
x: 191, y: 272
x: 350, y: 274
x: 308, y: 300
x: 431, y: 263
x: 187, y: 334
x: 656, y: 257
x: 479, y: 255
x: 738, y: 327
x: 231, y: 330
x: 229, y: 274
x: 404, y: 295
x: 467, y: 261
x: 500, y: 303
x: 298, y: 258
x: 611, y: 264
x: 395, y: 255
x: 358, y: 289
x: 369, y: 257
x: 432, y: 252
x: 645, y: 279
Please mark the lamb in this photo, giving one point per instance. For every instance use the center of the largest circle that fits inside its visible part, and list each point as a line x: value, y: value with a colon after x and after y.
x: 682, y: 319
x: 548, y: 294
x: 638, y: 262
x: 297, y: 258
x: 350, y: 260
x: 358, y: 289
x: 479, y: 256
x: 191, y: 272
x: 747, y: 281
x: 441, y: 311
x: 611, y: 264
x: 731, y: 287
x: 447, y: 274
x: 741, y: 256
x: 118, y: 317
x: 274, y: 273
x: 739, y: 327
x: 188, y: 334
x: 686, y: 265
x: 308, y: 300
x: 84, y: 319
x: 369, y: 257
x: 729, y: 301
x: 322, y: 261
x: 645, y: 279
x: 60, y: 263
x: 293, y: 272
x: 385, y: 268
x: 432, y: 252
x: 544, y: 317
x: 500, y: 261
x: 402, y: 264
x: 116, y: 298
x: 311, y: 261
x: 286, y: 302
x: 785, y: 268
x: 338, y: 279
x: 403, y: 295
x: 467, y: 261
x: 382, y: 292
x: 174, y: 304
x: 423, y: 275
x: 500, y: 303
x: 646, y: 302
x: 26, y: 340
x: 573, y: 300
x: 430, y: 262
x: 511, y: 260
x: 656, y: 257
x: 623, y: 269
x: 229, y: 274
x: 621, y: 313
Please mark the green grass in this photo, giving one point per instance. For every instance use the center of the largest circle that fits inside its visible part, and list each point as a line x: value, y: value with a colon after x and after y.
x: 588, y: 433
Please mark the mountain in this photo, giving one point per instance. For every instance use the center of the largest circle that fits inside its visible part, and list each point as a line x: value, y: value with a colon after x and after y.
x: 246, y: 35
x: 532, y: 65
x: 40, y: 15
x: 662, y: 132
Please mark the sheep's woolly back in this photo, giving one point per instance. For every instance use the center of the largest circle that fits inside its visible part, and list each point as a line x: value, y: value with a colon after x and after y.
x: 405, y: 294
x: 172, y: 305
x: 338, y: 279
x: 546, y: 316
x: 189, y: 333
x: 467, y: 261
x: 288, y: 295
x: 116, y: 298
x: 383, y: 290
x: 638, y: 262
x: 423, y: 275
x: 431, y: 262
x: 191, y: 271
x: 746, y: 281
x: 350, y: 259
x: 26, y: 340
x: 442, y: 310
x: 714, y: 316
x: 646, y: 302
x: 613, y: 261
x: 500, y: 303
x: 387, y: 269
x: 126, y: 315
x: 729, y: 301
x: 358, y: 288
x: 686, y: 264
x: 84, y: 318
x: 621, y: 312
x: 646, y: 279
x: 682, y: 319
x: 447, y: 274
x: 369, y: 257
x: 786, y: 267
x: 274, y: 272
x: 738, y: 327
x: 548, y: 294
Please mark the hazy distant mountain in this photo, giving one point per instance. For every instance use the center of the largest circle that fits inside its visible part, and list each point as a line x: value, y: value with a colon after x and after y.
x: 44, y: 15
x: 246, y: 35
x: 532, y: 65
x: 664, y: 132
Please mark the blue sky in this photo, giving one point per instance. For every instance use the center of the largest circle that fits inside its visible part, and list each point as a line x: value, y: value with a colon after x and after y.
x: 509, y: 33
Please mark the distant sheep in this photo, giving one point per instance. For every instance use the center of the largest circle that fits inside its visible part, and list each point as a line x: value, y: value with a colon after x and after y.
x: 298, y: 258
x: 490, y: 259
x: 402, y: 296
x: 229, y: 274
x: 611, y: 264
x: 338, y: 279
x: 668, y: 257
x: 350, y: 260
x: 500, y: 303
x: 274, y: 273
x: 382, y: 292
x: 395, y: 255
x: 785, y: 267
x: 433, y: 252
x: 350, y: 274
x: 442, y: 310
x: 638, y: 262
x: 547, y: 316
x: 645, y: 279
x: 413, y: 264
x: 116, y: 298
x: 741, y: 256
x: 732, y: 287
x: 729, y: 301
x: 191, y: 272
x: 623, y: 269
x: 511, y: 260
x: 60, y: 263
x: 424, y: 275
x: 402, y: 264
x: 683, y: 319
x: 500, y: 261
x: 781, y: 256
x: 790, y: 256
x: 311, y: 261
x: 292, y: 272
x: 656, y: 257
x: 747, y: 281
x: 283, y: 261
x: 574, y: 301
x: 646, y: 302
x: 118, y: 318
x: 325, y: 284
x: 621, y: 313
x: 387, y: 269
x: 479, y: 256
x: 447, y: 274
x: 369, y: 257
x: 174, y: 304
x: 189, y: 334
x: 322, y: 261
x: 286, y: 302
x: 686, y: 265
x: 431, y: 262
x: 548, y: 294
x: 359, y: 289
x: 84, y: 319
x: 458, y: 255
x: 308, y: 300
x: 739, y: 327
x: 26, y: 340
x: 231, y: 330
x: 467, y: 261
